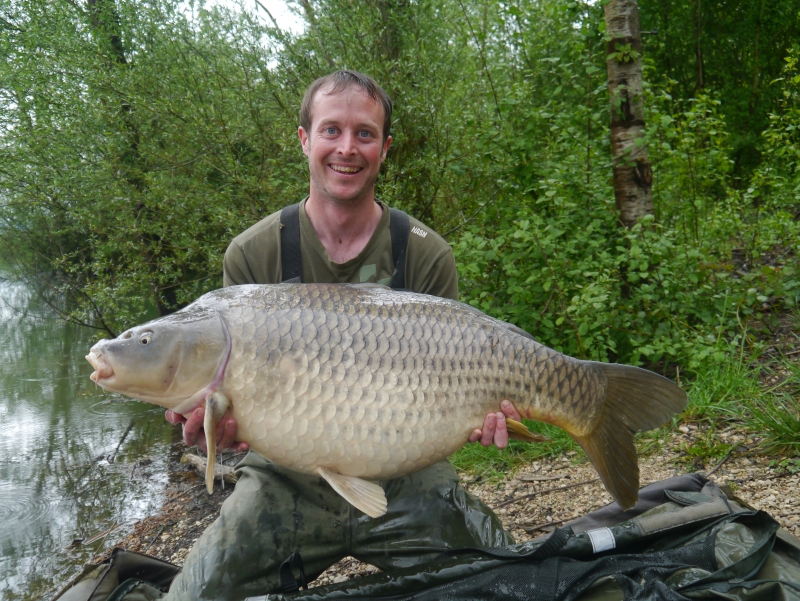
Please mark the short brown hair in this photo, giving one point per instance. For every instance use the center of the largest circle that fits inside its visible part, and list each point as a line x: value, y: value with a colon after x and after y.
x: 339, y: 81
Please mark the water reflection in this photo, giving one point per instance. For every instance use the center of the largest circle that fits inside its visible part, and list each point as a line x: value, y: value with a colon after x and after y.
x: 75, y: 461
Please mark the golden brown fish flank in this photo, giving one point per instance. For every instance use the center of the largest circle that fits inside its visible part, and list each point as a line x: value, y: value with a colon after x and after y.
x: 361, y: 382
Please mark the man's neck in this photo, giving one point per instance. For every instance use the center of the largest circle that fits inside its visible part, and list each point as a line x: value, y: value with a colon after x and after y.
x: 343, y: 228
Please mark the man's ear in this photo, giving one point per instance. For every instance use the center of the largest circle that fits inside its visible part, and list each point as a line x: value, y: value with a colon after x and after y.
x: 386, y: 145
x: 303, y: 135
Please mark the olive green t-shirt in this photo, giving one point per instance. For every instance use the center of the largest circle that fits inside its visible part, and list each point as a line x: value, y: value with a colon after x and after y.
x: 254, y: 257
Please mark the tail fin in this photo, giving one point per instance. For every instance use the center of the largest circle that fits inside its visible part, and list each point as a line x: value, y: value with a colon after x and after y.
x: 636, y: 400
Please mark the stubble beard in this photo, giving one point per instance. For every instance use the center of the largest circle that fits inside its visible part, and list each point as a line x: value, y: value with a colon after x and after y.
x: 368, y: 189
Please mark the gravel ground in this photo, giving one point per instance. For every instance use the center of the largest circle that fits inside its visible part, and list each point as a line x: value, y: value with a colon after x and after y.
x: 531, y: 503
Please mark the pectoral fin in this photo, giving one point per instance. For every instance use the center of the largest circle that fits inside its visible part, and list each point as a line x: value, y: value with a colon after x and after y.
x: 216, y: 406
x: 363, y: 495
x: 518, y: 431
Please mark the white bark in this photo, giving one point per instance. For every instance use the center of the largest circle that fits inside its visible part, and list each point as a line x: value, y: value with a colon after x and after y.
x: 632, y: 174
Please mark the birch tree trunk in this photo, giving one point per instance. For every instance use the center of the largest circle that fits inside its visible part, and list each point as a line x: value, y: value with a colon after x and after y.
x: 633, y: 177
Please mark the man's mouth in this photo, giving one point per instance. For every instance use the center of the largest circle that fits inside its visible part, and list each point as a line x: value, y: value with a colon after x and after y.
x: 345, y: 168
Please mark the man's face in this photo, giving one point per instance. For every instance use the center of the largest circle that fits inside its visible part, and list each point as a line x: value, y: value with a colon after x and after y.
x: 344, y: 146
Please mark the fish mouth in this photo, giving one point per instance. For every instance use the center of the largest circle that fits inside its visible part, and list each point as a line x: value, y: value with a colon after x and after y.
x: 102, y: 370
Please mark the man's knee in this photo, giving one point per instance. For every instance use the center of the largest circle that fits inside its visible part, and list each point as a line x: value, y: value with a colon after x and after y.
x: 271, y: 513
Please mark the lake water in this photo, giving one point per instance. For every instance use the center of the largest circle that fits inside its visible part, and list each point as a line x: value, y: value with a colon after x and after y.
x: 75, y: 461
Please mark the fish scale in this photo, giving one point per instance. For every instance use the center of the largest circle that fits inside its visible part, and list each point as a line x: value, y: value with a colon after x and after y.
x: 361, y: 383
x: 415, y: 352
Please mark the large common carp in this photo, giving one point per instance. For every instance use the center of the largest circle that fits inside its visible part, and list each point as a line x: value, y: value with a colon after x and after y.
x: 360, y: 383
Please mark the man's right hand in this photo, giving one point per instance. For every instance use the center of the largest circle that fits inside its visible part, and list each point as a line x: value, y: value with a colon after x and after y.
x: 194, y: 434
x: 494, y: 429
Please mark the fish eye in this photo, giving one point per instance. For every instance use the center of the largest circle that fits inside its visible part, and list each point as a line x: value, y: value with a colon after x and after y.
x: 146, y: 338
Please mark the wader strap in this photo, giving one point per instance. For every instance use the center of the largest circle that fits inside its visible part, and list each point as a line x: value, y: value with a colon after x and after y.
x: 291, y: 259
x: 399, y: 229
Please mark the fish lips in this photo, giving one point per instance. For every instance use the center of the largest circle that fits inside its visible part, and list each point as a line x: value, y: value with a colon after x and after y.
x: 103, y: 374
x: 102, y: 370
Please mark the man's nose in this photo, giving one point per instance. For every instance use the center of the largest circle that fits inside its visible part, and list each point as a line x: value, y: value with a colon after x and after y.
x: 347, y: 143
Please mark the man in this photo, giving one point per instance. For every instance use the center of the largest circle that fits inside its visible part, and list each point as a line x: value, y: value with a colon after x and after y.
x: 344, y: 237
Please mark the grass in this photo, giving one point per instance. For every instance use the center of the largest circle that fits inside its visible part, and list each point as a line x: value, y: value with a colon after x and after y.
x: 720, y: 390
x: 733, y: 394
x: 493, y: 463
x: 776, y: 414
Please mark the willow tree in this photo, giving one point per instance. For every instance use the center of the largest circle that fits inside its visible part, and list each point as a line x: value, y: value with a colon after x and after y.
x: 136, y: 139
x: 633, y: 177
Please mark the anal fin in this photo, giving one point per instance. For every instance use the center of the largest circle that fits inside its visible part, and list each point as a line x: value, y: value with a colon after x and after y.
x: 519, y: 431
x: 365, y: 496
x: 216, y: 406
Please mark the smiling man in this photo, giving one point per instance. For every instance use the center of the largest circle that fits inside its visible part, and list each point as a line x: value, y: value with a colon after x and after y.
x: 344, y: 231
x: 339, y: 233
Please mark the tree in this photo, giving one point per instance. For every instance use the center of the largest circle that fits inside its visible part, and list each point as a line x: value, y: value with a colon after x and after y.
x: 136, y: 141
x: 731, y: 49
x: 633, y: 176
x: 138, y: 137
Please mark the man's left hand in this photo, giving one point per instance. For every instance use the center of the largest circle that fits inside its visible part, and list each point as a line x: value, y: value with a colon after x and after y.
x: 494, y: 427
x: 194, y: 434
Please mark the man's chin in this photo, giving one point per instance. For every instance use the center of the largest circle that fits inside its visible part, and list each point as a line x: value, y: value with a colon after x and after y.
x: 330, y: 188
x: 348, y: 197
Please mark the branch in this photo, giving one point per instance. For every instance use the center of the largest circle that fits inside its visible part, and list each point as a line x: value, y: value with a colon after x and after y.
x: 10, y: 25
x: 271, y: 18
x: 546, y: 491
x: 474, y: 215
x: 483, y: 60
x: 221, y: 472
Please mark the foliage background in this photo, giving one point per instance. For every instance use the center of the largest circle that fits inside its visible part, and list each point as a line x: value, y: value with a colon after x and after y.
x: 138, y: 137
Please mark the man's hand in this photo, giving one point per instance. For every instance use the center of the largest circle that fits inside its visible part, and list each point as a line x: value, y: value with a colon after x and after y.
x: 494, y: 427
x: 193, y: 433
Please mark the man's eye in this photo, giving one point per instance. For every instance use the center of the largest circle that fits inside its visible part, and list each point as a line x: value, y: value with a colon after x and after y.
x: 330, y: 130
x: 364, y: 133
